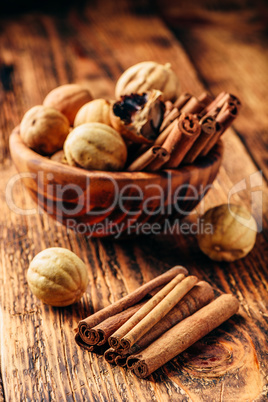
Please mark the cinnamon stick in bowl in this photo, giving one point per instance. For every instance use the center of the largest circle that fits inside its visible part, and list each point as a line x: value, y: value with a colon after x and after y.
x: 182, y: 137
x: 188, y: 104
x: 216, y: 102
x: 182, y: 100
x: 172, y: 115
x: 221, y: 100
x: 162, y: 157
x: 160, y: 140
x: 224, y: 119
x: 183, y: 335
x: 208, y: 129
x: 194, y: 106
x: 144, y: 159
x: 205, y: 98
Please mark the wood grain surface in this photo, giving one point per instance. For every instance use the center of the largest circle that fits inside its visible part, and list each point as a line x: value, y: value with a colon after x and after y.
x: 39, y: 357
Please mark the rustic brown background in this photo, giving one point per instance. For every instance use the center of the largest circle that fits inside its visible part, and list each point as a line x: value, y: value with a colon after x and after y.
x: 216, y: 46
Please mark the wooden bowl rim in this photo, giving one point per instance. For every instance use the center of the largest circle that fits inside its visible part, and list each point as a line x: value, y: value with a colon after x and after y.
x: 17, y: 146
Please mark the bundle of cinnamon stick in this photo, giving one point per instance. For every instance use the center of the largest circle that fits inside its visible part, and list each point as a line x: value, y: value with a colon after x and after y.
x: 156, y: 322
x: 190, y: 129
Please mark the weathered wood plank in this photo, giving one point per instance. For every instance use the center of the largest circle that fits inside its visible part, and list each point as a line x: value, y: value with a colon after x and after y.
x: 39, y: 356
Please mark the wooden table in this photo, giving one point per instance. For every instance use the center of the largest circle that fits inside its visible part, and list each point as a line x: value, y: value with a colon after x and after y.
x: 209, y: 50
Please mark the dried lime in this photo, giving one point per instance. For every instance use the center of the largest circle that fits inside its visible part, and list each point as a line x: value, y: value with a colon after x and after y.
x: 232, y: 235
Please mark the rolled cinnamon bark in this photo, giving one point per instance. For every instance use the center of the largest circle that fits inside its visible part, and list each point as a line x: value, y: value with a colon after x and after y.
x: 168, y: 107
x: 194, y: 106
x: 208, y: 129
x: 232, y: 106
x: 215, y: 102
x: 99, y: 334
x: 99, y: 350
x: 131, y: 299
x: 114, y: 340
x: 223, y: 98
x: 82, y: 344
x: 182, y: 137
x: 200, y: 295
x: 229, y: 98
x: 183, y: 335
x: 162, y: 157
x: 172, y: 137
x: 172, y: 115
x: 226, y: 117
x: 185, y: 103
x: 165, y: 133
x: 144, y: 159
x: 224, y: 120
x: 110, y: 355
x: 158, y: 312
x: 182, y: 100
x: 134, y: 154
x: 205, y: 98
x: 121, y: 359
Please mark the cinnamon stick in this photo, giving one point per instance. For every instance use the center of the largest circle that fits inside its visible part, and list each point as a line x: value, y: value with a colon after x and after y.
x: 158, y: 312
x: 182, y: 100
x: 215, y: 102
x: 172, y: 115
x: 110, y: 355
x: 200, y: 295
x: 144, y: 159
x: 205, y: 98
x: 168, y: 107
x: 183, y: 335
x: 162, y: 157
x: 114, y: 340
x: 131, y: 299
x: 208, y: 129
x: 99, y: 334
x: 223, y: 98
x: 233, y: 107
x: 165, y: 133
x: 133, y: 155
x: 224, y: 119
x: 229, y: 98
x: 181, y: 139
x: 121, y: 359
x: 82, y: 344
x: 171, y: 136
x: 191, y: 105
x: 99, y: 350
x: 194, y: 106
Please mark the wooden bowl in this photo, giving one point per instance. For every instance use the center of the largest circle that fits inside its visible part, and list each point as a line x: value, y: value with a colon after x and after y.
x: 102, y: 204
